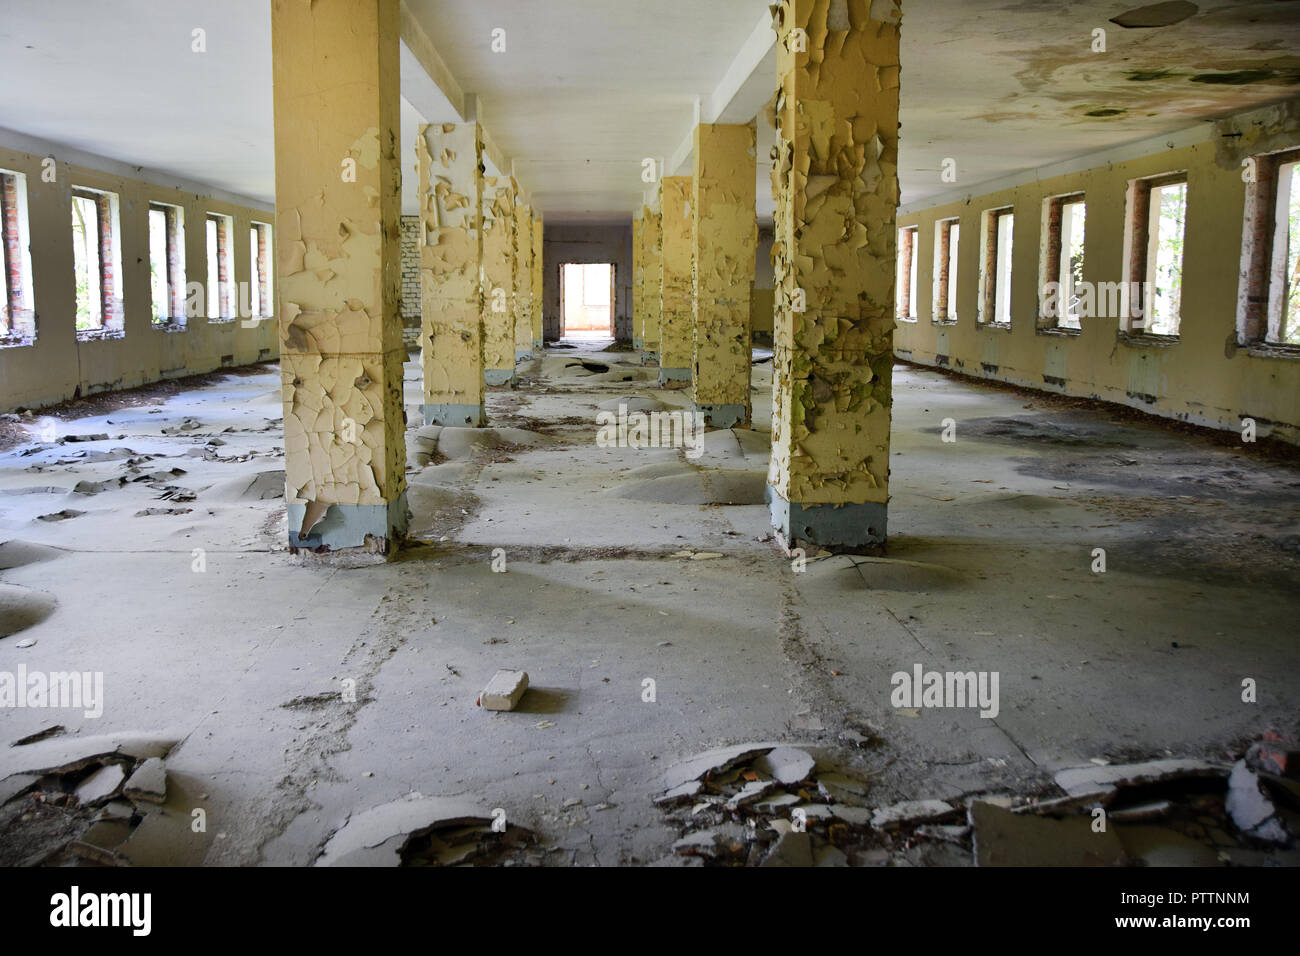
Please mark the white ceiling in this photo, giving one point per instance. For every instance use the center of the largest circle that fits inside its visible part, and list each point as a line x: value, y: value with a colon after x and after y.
x: 588, y: 88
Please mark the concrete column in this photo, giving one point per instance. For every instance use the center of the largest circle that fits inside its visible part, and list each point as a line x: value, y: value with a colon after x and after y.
x: 498, y: 280
x: 724, y: 231
x: 836, y: 182
x: 338, y: 282
x: 538, y: 288
x: 451, y: 255
x: 638, y: 282
x: 652, y: 229
x: 523, y: 237
x: 677, y: 318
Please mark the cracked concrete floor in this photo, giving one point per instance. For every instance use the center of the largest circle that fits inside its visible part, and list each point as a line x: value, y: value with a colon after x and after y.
x: 991, y: 548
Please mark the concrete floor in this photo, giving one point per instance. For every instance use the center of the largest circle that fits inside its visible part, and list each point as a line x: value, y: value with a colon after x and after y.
x: 991, y: 545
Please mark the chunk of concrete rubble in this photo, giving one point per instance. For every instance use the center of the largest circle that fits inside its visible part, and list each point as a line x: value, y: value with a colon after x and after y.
x: 785, y: 765
x: 101, y: 785
x: 11, y: 787
x: 1059, y: 805
x: 944, y: 832
x: 815, y: 811
x: 377, y: 837
x: 792, y: 848
x: 857, y: 816
x: 1250, y: 808
x: 839, y: 788
x: 1090, y: 779
x: 504, y: 690
x: 69, y: 753
x: 148, y: 783
x: 777, y: 802
x: 1150, y: 810
x: 117, y: 810
x: 749, y: 793
x: 682, y: 793
x: 1274, y: 755
x: 714, y: 761
x: 910, y: 811
x: 829, y: 855
x: 1003, y: 838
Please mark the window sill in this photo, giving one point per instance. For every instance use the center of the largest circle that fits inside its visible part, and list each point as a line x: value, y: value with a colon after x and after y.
x: 100, y: 335
x: 910, y: 319
x: 16, y: 341
x: 943, y: 321
x: 169, y: 326
x: 222, y: 320
x: 996, y: 326
x: 1146, y: 340
x: 1061, y: 331
x: 1272, y: 350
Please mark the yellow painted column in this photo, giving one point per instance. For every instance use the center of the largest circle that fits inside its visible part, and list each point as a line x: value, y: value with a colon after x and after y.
x: 451, y: 254
x: 836, y: 183
x: 338, y: 284
x: 523, y: 281
x: 538, y: 287
x: 498, y: 280
x: 638, y: 282
x: 725, y: 235
x: 677, y: 319
x: 652, y: 227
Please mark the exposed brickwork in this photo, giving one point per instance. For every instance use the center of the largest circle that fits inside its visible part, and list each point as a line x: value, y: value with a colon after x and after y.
x: 113, y: 314
x: 225, y: 264
x: 411, y: 280
x: 17, y: 325
x: 261, y: 268
x: 988, y: 304
x: 943, y: 236
x: 1052, y: 261
x: 906, y: 252
x: 1261, y: 212
x: 175, y: 253
x: 1140, y: 217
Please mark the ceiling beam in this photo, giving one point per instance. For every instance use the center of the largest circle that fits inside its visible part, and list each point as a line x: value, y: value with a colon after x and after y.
x: 749, y: 80
x: 740, y: 94
x: 417, y: 46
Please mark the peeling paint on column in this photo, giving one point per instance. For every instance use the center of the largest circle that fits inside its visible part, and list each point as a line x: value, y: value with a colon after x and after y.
x: 652, y: 224
x: 498, y: 279
x: 538, y: 288
x: 725, y: 236
x: 836, y: 183
x: 338, y: 285
x: 638, y: 281
x: 451, y: 253
x: 677, y: 319
x: 523, y: 280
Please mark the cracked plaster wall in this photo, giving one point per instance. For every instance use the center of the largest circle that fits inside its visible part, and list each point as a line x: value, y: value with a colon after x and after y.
x: 57, y: 367
x: 1205, y: 377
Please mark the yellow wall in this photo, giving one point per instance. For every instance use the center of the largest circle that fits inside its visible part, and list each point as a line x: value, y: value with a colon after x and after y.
x: 56, y: 367
x: 1204, y: 377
